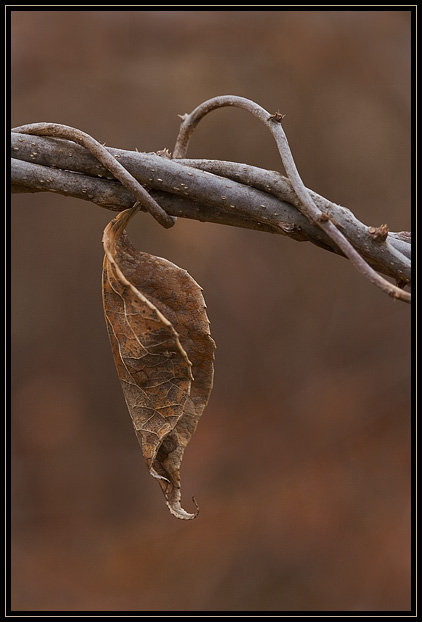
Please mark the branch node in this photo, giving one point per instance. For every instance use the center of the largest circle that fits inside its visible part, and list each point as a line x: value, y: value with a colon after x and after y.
x: 379, y: 233
x: 164, y: 153
x: 323, y: 217
x: 277, y: 117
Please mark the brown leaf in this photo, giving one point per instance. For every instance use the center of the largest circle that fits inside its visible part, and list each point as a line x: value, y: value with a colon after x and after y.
x: 163, y: 351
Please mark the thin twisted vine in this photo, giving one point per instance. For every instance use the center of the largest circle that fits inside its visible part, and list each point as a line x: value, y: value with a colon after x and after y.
x: 306, y: 204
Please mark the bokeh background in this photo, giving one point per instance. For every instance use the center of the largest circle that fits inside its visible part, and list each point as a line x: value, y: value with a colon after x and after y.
x: 301, y: 462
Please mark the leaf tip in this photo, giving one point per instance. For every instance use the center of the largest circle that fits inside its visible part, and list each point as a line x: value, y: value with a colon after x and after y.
x: 177, y: 510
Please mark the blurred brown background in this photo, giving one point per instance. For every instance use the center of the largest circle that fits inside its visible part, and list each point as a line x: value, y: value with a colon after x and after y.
x: 300, y: 463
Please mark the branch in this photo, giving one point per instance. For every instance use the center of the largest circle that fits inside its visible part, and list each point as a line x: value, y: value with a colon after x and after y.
x: 306, y: 205
x: 206, y: 190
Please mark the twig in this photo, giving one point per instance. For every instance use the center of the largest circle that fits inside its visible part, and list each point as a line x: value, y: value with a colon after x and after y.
x: 307, y: 206
x: 99, y: 151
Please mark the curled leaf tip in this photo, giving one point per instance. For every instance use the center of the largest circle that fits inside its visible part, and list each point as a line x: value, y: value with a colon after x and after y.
x: 177, y: 510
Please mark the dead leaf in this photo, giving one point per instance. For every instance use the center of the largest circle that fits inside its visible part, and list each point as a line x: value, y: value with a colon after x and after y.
x: 163, y: 351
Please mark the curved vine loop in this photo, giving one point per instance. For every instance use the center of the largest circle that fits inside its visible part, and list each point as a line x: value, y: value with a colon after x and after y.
x: 306, y: 205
